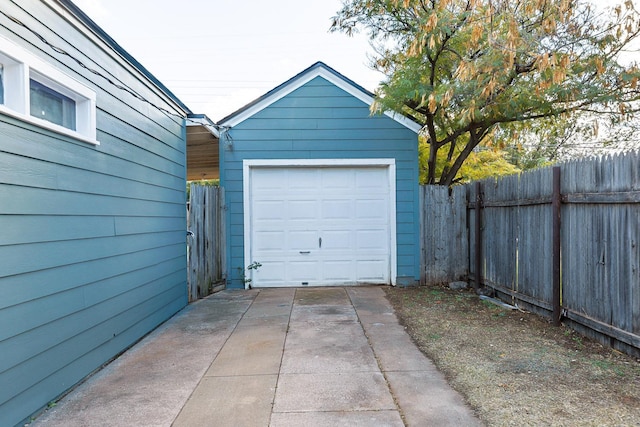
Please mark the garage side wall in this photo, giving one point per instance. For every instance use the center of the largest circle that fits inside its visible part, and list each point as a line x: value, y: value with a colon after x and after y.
x: 92, y: 237
x: 321, y: 121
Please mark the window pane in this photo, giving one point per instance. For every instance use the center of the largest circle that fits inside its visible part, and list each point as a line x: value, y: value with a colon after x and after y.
x: 50, y: 105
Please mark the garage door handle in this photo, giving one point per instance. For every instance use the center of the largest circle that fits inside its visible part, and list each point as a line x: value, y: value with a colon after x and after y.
x: 305, y: 252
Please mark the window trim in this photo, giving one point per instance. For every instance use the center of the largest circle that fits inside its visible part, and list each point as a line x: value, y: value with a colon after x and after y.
x: 19, y: 66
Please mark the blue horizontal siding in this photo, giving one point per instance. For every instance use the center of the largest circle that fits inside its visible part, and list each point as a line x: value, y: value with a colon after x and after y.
x: 318, y: 134
x: 28, y: 200
x: 50, y: 335
x: 36, y: 173
x: 40, y: 284
x: 321, y: 121
x: 93, y: 334
x: 21, y: 229
x: 292, y: 147
x: 291, y: 101
x: 154, y: 308
x: 360, y: 123
x: 24, y: 258
x: 92, y: 237
x: 275, y: 112
x: 137, y: 165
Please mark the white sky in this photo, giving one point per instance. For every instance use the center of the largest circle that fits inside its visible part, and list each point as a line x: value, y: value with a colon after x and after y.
x: 218, y: 55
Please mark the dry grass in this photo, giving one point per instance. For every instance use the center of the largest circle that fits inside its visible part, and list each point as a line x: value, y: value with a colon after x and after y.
x: 515, y: 368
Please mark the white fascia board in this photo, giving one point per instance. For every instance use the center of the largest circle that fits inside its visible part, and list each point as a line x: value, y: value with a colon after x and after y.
x: 204, y: 122
x: 306, y: 78
x: 317, y: 162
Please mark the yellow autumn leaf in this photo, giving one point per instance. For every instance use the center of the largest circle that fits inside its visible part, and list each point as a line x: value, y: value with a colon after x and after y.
x: 446, y: 98
x: 558, y: 76
x: 543, y: 62
x: 431, y: 24
x: 432, y: 103
x: 476, y: 33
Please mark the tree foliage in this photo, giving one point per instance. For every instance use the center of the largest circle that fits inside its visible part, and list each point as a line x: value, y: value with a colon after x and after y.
x: 479, y: 165
x: 477, y: 72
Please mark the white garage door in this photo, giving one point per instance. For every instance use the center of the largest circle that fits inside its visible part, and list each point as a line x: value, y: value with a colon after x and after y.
x: 319, y: 226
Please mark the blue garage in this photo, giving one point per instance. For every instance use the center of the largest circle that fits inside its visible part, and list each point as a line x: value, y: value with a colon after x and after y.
x: 319, y: 191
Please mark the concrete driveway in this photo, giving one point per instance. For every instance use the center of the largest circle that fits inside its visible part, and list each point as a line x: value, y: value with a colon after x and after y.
x: 271, y: 357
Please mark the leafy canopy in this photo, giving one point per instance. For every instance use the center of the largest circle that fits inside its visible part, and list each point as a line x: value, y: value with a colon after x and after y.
x: 479, y: 165
x: 471, y: 71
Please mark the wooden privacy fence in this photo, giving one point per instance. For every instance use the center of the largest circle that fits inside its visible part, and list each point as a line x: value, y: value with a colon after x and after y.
x: 571, y: 252
x: 444, y: 234
x: 205, y: 246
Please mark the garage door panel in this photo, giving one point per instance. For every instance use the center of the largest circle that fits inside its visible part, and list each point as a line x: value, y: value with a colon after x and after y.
x: 302, y: 240
x: 337, y: 209
x: 338, y: 179
x: 371, y: 179
x: 369, y: 240
x: 372, y: 271
x: 372, y: 209
x: 270, y: 179
x: 338, y: 271
x: 303, y: 271
x: 302, y: 209
x: 337, y: 240
x: 269, y: 272
x: 268, y: 210
x: 269, y: 241
x: 302, y: 178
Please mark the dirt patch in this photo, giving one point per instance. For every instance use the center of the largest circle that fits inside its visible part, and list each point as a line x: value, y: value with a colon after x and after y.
x: 515, y: 368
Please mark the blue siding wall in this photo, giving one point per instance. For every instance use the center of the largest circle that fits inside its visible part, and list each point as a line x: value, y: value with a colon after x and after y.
x: 92, y: 238
x: 320, y: 120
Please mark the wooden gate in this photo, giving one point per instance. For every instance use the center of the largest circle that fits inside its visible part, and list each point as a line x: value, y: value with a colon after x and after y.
x: 206, y: 242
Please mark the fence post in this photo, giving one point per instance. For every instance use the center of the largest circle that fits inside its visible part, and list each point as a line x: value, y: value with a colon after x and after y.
x: 423, y: 249
x: 478, y: 237
x: 556, y: 202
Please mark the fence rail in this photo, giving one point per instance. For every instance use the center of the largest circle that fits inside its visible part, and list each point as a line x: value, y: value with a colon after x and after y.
x: 206, y: 256
x: 592, y: 257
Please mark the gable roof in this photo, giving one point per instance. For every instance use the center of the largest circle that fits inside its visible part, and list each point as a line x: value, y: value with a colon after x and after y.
x: 319, y: 69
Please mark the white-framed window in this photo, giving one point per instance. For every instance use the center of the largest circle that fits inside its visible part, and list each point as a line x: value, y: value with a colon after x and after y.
x: 36, y: 92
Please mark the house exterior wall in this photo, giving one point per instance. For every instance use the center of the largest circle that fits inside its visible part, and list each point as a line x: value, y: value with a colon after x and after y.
x: 321, y: 121
x: 92, y: 237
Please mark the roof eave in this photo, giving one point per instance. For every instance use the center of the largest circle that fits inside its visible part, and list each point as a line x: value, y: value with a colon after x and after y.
x: 204, y: 121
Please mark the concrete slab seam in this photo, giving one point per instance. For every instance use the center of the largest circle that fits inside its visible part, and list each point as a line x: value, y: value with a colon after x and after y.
x: 214, y: 359
x: 375, y: 355
x: 284, y: 345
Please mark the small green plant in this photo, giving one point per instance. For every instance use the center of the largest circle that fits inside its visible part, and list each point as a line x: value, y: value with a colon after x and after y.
x: 243, y: 276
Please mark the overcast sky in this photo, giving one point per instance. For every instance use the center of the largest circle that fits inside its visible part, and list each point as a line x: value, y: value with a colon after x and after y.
x: 218, y: 55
